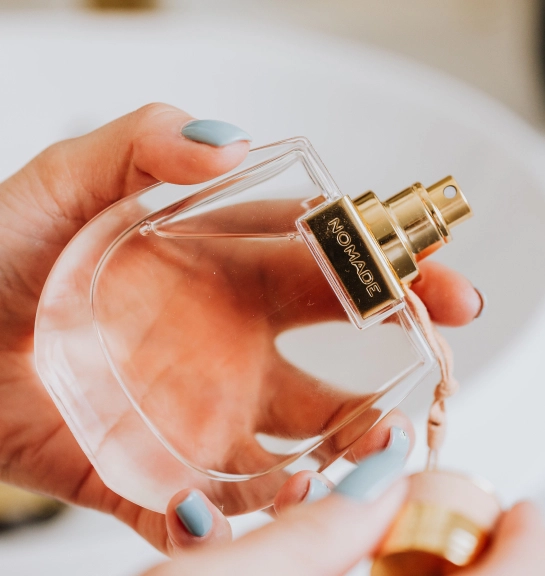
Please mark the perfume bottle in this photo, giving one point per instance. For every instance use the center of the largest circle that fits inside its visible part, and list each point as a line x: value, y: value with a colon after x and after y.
x: 225, y: 336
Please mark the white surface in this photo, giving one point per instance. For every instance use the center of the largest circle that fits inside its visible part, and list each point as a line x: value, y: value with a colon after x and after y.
x: 379, y: 123
x: 79, y: 542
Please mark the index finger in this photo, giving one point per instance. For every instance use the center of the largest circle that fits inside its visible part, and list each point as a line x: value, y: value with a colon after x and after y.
x: 517, y: 547
x: 449, y: 296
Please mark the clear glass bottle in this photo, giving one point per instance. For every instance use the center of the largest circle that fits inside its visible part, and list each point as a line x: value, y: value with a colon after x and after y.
x: 227, y: 335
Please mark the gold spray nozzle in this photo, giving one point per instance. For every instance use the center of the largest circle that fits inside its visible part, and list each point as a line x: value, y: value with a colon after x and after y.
x: 449, y: 200
x: 414, y: 223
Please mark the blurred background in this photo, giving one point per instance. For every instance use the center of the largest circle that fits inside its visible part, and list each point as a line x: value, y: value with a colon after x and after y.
x: 390, y: 93
x: 494, y: 45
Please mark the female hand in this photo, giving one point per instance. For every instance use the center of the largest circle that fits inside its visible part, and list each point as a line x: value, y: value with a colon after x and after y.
x: 328, y: 537
x: 324, y: 537
x: 41, y: 208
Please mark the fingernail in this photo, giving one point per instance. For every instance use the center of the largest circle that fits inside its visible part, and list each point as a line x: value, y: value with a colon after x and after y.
x: 484, y: 302
x: 376, y: 473
x: 214, y: 132
x: 316, y: 491
x: 194, y: 515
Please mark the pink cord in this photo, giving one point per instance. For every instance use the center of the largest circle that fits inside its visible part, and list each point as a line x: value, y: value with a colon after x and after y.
x: 448, y: 385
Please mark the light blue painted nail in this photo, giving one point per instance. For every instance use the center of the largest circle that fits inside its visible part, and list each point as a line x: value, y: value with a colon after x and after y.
x: 214, y: 132
x: 375, y: 474
x: 316, y: 490
x: 194, y: 515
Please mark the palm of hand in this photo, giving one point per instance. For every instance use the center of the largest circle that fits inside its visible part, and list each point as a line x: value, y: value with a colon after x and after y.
x: 190, y: 326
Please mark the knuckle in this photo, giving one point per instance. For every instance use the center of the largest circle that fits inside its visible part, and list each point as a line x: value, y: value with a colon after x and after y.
x: 150, y: 111
x: 53, y: 154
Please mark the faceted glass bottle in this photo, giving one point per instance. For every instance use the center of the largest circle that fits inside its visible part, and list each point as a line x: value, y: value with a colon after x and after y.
x: 227, y: 335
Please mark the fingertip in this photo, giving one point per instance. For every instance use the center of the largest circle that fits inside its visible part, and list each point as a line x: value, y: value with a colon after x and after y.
x: 517, y: 543
x: 192, y: 520
x: 317, y: 489
x: 522, y: 517
x: 449, y: 296
x: 162, y: 151
x: 214, y: 132
x: 377, y: 438
x: 302, y: 487
x: 307, y: 487
x: 223, y: 159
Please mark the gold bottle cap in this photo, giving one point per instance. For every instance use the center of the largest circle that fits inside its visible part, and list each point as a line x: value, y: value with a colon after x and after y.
x: 444, y: 524
x: 414, y: 223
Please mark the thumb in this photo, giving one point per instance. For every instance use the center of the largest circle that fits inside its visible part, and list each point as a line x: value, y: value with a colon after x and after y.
x: 76, y: 179
x: 327, y: 537
x: 49, y: 200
